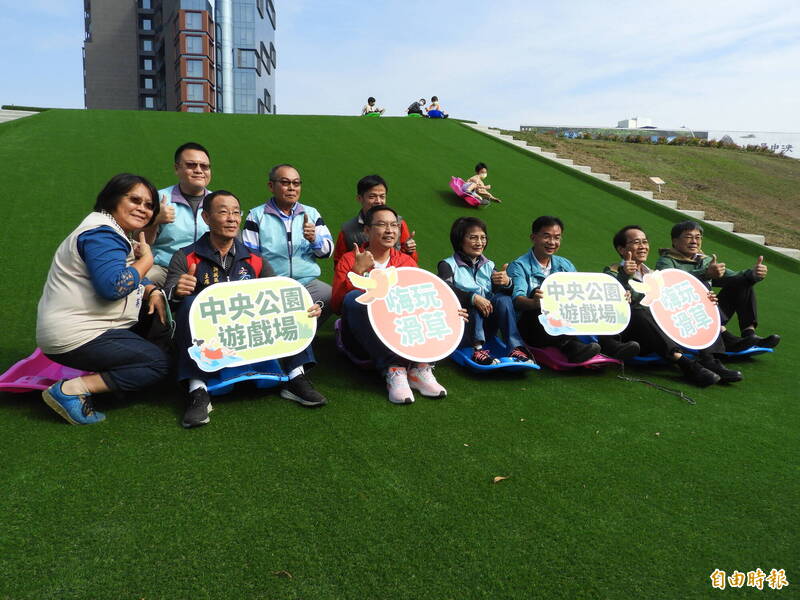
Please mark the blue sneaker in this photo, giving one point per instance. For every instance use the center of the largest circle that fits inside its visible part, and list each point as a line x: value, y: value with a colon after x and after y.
x: 76, y: 410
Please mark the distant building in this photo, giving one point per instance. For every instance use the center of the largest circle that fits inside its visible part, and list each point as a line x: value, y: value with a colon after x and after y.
x: 184, y: 55
x: 637, y: 123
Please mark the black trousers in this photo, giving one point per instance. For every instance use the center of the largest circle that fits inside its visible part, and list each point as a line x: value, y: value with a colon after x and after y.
x: 643, y: 328
x: 738, y: 297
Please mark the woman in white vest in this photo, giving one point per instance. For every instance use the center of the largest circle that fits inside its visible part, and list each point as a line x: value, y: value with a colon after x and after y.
x: 89, y: 316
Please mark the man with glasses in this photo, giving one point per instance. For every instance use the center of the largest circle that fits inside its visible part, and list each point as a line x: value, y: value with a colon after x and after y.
x: 736, y: 295
x: 382, y: 228
x: 528, y: 273
x: 632, y: 245
x: 179, y: 222
x: 371, y: 191
x: 290, y: 235
x: 216, y: 257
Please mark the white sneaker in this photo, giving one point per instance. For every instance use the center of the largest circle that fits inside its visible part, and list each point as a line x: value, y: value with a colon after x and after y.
x: 397, y: 384
x: 421, y: 378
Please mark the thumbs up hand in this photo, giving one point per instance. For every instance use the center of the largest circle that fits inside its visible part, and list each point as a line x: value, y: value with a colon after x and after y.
x: 715, y: 269
x: 364, y: 260
x: 760, y: 269
x: 167, y: 212
x: 629, y: 265
x: 187, y: 282
x: 500, y: 277
x: 309, y: 229
x: 141, y: 249
x: 410, y: 245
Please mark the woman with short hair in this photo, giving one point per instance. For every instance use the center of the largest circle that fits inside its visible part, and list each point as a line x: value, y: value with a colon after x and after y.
x: 97, y: 308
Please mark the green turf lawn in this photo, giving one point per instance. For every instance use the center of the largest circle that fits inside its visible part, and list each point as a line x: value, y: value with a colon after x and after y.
x: 615, y: 490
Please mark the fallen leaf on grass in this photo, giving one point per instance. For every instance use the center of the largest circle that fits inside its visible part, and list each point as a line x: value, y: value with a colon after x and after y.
x: 498, y: 478
x: 284, y: 574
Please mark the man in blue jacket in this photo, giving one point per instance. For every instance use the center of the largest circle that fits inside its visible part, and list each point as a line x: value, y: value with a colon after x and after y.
x: 290, y: 235
x: 179, y: 222
x: 528, y: 272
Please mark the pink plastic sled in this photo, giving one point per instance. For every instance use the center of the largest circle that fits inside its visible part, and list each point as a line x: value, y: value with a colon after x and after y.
x: 363, y: 363
x: 553, y: 357
x: 456, y: 184
x: 37, y: 372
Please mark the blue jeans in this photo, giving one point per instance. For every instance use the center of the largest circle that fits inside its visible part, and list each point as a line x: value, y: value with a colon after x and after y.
x: 356, y: 327
x: 188, y: 369
x: 124, y: 359
x: 502, y: 318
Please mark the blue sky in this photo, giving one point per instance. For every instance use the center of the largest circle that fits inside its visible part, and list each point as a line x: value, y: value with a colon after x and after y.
x: 707, y: 64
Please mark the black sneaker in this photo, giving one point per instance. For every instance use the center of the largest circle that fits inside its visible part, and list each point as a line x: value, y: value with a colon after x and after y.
x: 199, y: 406
x: 764, y: 342
x: 697, y: 373
x: 715, y: 366
x: 301, y: 391
x: 619, y: 350
x: 578, y: 352
x: 734, y: 343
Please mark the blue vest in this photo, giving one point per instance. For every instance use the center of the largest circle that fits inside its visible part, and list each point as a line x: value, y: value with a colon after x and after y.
x: 186, y: 229
x: 475, y: 281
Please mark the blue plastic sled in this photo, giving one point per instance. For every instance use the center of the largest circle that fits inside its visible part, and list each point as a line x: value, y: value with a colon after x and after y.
x: 649, y: 360
x: 463, y: 356
x: 655, y: 359
x: 267, y: 374
x: 751, y: 351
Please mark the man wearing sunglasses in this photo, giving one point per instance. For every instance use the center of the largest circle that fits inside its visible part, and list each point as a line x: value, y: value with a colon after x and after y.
x: 290, y: 235
x: 179, y: 222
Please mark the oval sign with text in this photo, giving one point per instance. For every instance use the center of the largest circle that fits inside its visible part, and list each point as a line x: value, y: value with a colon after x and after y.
x: 242, y: 322
x: 680, y: 306
x: 413, y: 312
x: 583, y: 304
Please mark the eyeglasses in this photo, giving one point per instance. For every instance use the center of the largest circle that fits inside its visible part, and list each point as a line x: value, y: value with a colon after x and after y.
x: 547, y: 237
x: 638, y: 243
x: 385, y: 225
x: 692, y: 238
x: 477, y: 238
x: 192, y: 165
x: 287, y: 182
x: 225, y: 213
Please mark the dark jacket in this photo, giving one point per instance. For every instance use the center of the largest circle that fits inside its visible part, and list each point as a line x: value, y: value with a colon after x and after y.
x: 243, y: 264
x: 669, y: 258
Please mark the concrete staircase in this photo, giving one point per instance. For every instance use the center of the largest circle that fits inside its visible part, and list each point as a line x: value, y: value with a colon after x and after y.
x: 10, y: 115
x: 697, y: 215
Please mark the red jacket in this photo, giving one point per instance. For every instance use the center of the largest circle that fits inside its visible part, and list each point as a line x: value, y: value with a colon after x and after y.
x: 342, y: 285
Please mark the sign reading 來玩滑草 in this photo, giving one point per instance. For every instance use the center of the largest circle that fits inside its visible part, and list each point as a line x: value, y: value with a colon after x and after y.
x: 413, y: 312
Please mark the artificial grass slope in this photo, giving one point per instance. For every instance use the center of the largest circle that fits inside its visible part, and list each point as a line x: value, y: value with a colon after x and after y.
x: 615, y: 490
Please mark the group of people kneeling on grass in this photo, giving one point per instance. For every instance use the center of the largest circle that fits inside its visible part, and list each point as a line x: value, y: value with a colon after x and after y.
x: 104, y: 305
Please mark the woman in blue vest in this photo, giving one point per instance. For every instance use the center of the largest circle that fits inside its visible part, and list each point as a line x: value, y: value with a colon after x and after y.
x: 483, y: 291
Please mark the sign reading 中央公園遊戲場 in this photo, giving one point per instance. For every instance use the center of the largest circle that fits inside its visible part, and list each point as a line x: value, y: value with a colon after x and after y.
x: 243, y: 322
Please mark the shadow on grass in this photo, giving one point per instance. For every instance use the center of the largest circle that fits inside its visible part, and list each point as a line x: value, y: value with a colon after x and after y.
x: 450, y: 198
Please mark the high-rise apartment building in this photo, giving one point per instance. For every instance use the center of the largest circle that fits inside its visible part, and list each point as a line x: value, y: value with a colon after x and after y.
x: 186, y: 55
